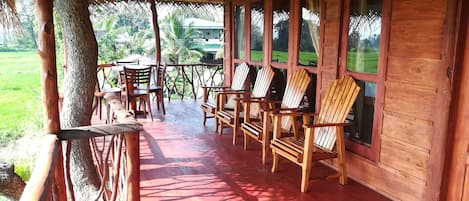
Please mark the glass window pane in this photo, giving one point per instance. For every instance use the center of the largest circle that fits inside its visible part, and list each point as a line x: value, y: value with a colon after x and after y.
x: 239, y: 32
x: 309, y: 37
x: 257, y: 29
x: 281, y: 22
x: 362, y: 114
x: 364, y: 36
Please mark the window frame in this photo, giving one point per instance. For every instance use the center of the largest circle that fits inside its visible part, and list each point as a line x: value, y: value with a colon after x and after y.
x: 372, y: 152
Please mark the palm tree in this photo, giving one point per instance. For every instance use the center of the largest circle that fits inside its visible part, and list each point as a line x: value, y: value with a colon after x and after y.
x: 178, y: 41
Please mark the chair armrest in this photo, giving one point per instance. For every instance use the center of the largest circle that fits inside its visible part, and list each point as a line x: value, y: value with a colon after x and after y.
x: 105, y: 65
x: 291, y: 113
x: 326, y: 125
x: 285, y: 110
x: 215, y: 87
x: 231, y: 92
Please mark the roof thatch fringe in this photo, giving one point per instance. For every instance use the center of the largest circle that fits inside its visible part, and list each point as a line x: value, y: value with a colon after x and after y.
x: 189, y: 6
x: 9, y: 20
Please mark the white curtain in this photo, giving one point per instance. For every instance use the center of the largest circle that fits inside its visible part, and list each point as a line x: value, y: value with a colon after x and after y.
x: 312, y: 19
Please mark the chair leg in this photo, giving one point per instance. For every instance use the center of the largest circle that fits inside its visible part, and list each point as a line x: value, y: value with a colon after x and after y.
x: 162, y: 104
x: 342, y: 170
x: 246, y: 141
x: 274, y: 161
x: 205, y: 118
x: 220, y: 129
x: 265, y: 147
x: 108, y: 113
x: 100, y: 108
x: 217, y: 124
x: 305, y: 171
x: 235, y: 130
x: 149, y: 107
x: 264, y: 153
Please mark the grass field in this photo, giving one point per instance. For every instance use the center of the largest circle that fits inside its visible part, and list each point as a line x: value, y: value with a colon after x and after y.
x: 369, y: 61
x: 20, y: 95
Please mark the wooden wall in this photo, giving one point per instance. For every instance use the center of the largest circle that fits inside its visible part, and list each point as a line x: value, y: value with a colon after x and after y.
x: 416, y: 98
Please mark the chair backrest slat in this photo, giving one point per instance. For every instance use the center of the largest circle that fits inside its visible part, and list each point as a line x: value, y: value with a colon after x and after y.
x: 261, y: 87
x: 335, y: 106
x: 239, y: 81
x: 240, y: 76
x: 137, y: 76
x: 294, y: 92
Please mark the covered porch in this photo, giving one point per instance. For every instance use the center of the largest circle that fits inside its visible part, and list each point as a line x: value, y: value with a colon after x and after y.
x: 413, y: 106
x: 182, y: 159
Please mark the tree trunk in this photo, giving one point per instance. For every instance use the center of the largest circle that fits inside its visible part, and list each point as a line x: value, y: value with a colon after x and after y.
x: 156, y: 29
x: 78, y: 88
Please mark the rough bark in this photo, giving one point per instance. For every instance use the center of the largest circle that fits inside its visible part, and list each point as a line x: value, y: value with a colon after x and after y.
x: 78, y: 89
x: 156, y: 30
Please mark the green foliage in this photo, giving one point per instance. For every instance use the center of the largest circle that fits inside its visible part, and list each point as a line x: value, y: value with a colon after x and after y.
x: 178, y: 41
x: 121, y: 33
x: 20, y: 95
x: 23, y: 168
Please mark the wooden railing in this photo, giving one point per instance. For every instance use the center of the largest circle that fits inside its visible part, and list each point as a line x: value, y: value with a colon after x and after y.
x: 186, y: 80
x: 115, y: 150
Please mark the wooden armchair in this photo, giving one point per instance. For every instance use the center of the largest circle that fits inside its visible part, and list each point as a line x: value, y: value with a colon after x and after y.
x: 260, y: 131
x: 238, y: 84
x: 321, y: 137
x: 232, y: 118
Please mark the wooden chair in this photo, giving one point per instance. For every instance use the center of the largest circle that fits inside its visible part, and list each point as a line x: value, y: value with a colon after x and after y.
x: 103, y: 86
x: 157, y: 85
x: 260, y: 131
x: 238, y: 84
x: 321, y: 137
x: 137, y: 85
x: 232, y: 118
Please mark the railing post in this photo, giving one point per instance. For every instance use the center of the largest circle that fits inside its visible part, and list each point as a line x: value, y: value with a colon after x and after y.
x: 50, y: 95
x: 133, y: 166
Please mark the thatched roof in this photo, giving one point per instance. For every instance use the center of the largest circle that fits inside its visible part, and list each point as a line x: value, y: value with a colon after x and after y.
x: 9, y: 20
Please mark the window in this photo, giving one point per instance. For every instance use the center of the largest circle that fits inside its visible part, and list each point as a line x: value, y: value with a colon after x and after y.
x: 239, y: 32
x: 281, y: 22
x: 361, y: 60
x: 309, y: 33
x: 257, y: 30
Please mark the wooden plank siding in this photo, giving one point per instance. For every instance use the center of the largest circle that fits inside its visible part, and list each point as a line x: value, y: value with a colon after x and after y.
x: 412, y: 92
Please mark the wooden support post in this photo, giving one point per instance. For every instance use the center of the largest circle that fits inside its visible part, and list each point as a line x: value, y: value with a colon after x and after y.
x: 228, y: 38
x: 133, y: 166
x: 156, y: 29
x: 50, y: 95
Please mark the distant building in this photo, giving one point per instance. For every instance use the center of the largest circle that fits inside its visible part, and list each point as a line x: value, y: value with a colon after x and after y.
x: 209, y: 33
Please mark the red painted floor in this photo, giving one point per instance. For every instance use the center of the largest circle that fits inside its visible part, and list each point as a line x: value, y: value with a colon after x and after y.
x: 183, y: 160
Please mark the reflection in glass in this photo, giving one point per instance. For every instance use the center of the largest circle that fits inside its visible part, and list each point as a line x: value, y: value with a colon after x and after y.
x: 364, y: 35
x: 362, y: 114
x: 257, y: 29
x: 239, y: 32
x: 309, y: 38
x: 281, y: 22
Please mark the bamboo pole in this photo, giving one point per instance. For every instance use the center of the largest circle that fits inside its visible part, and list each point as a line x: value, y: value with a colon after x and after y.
x: 156, y: 29
x: 50, y: 95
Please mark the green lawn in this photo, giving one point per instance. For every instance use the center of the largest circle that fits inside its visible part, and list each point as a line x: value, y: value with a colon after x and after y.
x: 368, y: 59
x: 20, y: 95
